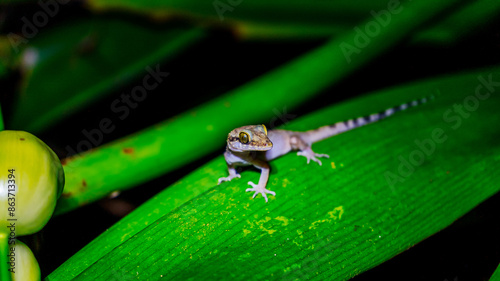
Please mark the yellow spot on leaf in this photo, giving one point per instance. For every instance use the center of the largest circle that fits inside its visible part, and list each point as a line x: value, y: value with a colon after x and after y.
x: 250, y: 223
x: 210, y: 127
x: 246, y: 231
x: 261, y: 222
x: 275, y: 181
x: 315, y: 224
x: 282, y: 219
x: 333, y: 165
x: 285, y: 182
x: 337, y: 213
x: 269, y: 231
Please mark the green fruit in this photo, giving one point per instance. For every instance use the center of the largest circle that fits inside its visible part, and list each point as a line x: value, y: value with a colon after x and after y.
x: 31, y: 180
x: 26, y: 265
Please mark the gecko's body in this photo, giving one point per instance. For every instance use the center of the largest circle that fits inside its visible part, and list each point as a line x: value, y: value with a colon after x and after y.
x: 254, y: 145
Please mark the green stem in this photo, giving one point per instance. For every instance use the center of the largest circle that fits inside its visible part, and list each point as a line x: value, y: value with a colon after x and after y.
x: 4, y: 250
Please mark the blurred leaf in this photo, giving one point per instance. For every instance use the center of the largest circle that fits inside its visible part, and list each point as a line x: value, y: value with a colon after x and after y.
x: 75, y: 64
x: 304, y: 19
x: 446, y: 30
x: 460, y: 24
x: 171, y: 144
x: 259, y: 11
x: 327, y: 222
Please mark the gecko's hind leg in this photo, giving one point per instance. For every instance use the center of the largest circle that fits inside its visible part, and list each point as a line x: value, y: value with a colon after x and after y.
x: 311, y: 155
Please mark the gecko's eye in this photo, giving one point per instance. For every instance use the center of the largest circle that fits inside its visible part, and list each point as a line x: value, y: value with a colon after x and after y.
x: 244, y: 137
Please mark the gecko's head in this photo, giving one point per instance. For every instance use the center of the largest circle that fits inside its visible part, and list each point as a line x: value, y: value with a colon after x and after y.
x: 249, y: 138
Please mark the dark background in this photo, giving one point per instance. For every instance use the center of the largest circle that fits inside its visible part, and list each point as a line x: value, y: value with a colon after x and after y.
x: 467, y: 250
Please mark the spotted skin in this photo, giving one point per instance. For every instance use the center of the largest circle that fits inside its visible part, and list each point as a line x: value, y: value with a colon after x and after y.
x: 254, y: 146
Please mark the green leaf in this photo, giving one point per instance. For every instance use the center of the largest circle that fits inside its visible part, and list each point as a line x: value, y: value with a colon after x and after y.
x: 169, y: 145
x: 107, y: 52
x: 326, y: 222
x: 260, y: 11
x: 459, y: 24
x: 304, y: 19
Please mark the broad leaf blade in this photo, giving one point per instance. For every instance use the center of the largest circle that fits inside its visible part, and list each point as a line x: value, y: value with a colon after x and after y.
x: 326, y: 222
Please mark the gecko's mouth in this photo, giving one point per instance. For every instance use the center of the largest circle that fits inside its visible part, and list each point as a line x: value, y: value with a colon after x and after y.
x: 251, y: 146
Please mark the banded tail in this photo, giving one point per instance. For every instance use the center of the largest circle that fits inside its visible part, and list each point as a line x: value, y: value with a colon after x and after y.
x: 343, y: 126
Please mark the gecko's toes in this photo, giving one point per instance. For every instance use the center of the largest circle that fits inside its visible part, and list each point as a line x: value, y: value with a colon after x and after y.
x: 229, y: 178
x: 259, y: 189
x: 310, y: 155
x: 319, y: 155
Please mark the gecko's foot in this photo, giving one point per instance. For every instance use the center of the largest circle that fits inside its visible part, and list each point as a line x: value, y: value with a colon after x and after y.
x: 229, y: 178
x: 310, y: 155
x: 260, y: 189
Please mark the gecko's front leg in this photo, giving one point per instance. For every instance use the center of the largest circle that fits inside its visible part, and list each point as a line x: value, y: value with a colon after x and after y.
x: 232, y: 174
x: 264, y: 176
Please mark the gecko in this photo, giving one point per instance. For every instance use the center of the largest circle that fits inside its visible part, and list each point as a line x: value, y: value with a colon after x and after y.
x: 254, y: 145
